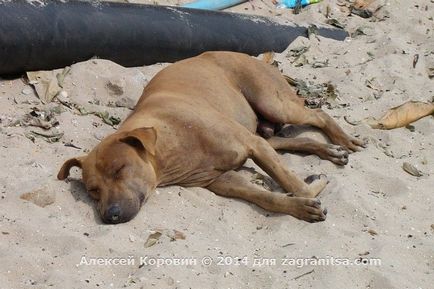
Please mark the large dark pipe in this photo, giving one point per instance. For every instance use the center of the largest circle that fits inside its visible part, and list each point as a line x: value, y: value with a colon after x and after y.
x: 42, y: 35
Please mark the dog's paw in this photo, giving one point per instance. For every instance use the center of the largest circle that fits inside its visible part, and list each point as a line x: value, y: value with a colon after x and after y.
x: 336, y: 154
x: 350, y: 144
x: 357, y: 144
x: 309, y: 210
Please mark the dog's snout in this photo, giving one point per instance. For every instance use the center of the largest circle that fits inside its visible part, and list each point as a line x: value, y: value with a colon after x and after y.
x: 121, y: 208
x: 113, y: 214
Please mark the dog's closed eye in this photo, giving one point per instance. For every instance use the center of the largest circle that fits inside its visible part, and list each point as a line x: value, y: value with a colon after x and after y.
x: 117, y: 173
x: 94, y: 193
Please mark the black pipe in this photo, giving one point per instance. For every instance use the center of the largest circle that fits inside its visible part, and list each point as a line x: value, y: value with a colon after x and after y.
x: 43, y: 35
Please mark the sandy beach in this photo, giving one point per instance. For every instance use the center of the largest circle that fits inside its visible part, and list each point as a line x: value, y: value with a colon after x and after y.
x: 191, y: 238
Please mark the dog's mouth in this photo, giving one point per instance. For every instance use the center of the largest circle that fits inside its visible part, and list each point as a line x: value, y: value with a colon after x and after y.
x: 141, y: 198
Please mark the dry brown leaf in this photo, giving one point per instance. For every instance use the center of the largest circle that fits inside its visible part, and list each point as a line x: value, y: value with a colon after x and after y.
x: 352, y: 122
x: 402, y: 115
x: 412, y: 170
x: 45, y: 84
x: 178, y: 235
x: 152, y: 239
x: 175, y: 235
x: 41, y: 197
x: 372, y: 232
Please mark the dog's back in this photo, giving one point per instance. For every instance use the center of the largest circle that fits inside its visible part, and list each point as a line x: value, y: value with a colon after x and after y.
x: 212, y: 80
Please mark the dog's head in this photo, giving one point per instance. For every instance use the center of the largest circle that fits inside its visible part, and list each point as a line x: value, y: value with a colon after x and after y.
x: 118, y: 173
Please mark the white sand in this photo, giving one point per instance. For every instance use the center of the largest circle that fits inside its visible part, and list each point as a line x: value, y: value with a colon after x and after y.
x: 41, y: 247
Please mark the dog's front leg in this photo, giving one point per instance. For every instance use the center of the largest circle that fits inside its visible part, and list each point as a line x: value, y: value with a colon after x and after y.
x: 268, y: 159
x: 232, y: 184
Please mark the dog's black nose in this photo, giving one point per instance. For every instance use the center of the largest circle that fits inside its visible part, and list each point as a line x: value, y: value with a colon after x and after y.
x: 113, y: 214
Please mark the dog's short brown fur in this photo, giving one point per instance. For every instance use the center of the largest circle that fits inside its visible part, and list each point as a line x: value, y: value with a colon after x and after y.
x: 195, y: 125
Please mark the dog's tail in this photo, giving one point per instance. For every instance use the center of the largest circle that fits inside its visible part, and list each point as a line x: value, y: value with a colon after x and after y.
x: 268, y: 57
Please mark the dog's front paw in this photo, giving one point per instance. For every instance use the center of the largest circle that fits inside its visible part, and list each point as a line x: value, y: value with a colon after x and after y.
x: 336, y: 154
x: 309, y: 210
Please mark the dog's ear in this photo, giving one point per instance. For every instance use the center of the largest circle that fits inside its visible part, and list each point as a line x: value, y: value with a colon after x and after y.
x: 142, y: 138
x: 64, y: 170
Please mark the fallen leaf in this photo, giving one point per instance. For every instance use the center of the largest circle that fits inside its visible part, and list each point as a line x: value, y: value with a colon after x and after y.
x: 40, y: 118
x: 41, y: 197
x: 372, y: 232
x: 352, y: 122
x: 300, y: 61
x: 107, y: 118
x: 320, y: 64
x: 334, y: 22
x: 312, y: 31
x: 48, y: 137
x: 412, y: 170
x: 61, y: 76
x: 45, y: 84
x: 402, y: 115
x: 359, y: 31
x: 82, y: 110
x: 297, y: 51
x: 315, y: 95
x: 152, y: 239
x: 178, y: 235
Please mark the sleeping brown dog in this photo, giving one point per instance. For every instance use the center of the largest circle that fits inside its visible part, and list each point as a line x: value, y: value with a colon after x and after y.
x: 195, y: 125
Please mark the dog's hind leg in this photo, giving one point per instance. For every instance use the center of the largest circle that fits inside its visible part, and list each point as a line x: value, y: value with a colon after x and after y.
x: 320, y: 119
x: 272, y: 98
x: 232, y: 184
x: 277, y: 109
x: 333, y: 153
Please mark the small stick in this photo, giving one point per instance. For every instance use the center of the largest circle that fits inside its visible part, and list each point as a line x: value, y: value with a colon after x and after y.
x: 304, y: 274
x: 69, y: 144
